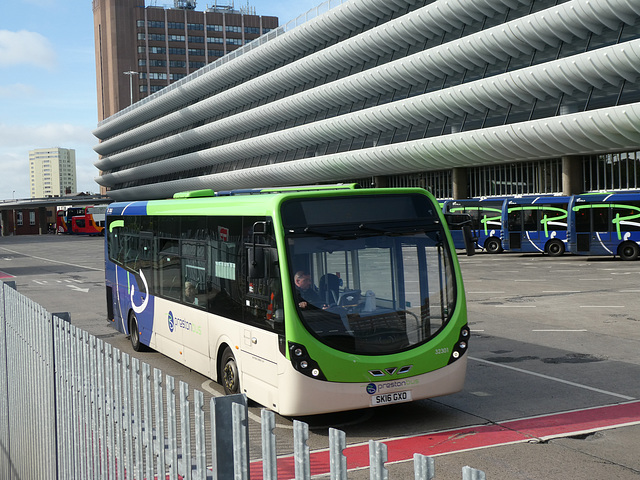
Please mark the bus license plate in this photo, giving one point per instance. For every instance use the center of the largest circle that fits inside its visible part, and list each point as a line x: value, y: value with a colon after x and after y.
x: 393, y: 397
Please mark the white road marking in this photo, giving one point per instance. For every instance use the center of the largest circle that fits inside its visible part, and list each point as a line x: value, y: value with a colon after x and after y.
x: 484, y: 293
x: 601, y: 306
x: 555, y: 379
x: 560, y: 330
x: 54, y: 261
x: 515, y: 306
x: 78, y: 289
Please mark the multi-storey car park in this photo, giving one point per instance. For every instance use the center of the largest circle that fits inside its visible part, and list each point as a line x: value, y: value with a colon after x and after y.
x: 465, y: 98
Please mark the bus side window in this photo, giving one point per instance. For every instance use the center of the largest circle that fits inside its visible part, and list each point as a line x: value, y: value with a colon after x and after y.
x: 583, y: 220
x: 515, y: 220
x: 601, y: 220
x: 530, y: 220
x: 629, y: 217
x: 263, y: 298
x: 193, y: 272
x: 169, y: 276
x: 223, y: 293
x: 116, y: 242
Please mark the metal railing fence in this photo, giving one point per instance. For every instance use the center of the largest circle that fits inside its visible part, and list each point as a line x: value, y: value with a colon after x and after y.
x: 74, y: 407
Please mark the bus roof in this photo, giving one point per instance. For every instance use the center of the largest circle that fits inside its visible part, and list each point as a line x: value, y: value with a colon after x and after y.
x: 262, y: 201
x: 601, y: 197
x: 538, y: 199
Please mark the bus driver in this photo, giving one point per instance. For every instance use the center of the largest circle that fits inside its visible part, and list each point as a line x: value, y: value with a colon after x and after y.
x: 306, y: 293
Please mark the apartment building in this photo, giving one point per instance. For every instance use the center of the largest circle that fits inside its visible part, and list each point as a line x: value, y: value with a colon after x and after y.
x: 52, y: 172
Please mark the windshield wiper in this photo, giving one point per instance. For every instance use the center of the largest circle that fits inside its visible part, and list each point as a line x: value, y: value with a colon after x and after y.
x: 320, y: 233
x: 362, y: 226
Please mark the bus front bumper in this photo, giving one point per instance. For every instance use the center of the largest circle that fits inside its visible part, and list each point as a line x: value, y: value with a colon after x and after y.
x: 312, y: 397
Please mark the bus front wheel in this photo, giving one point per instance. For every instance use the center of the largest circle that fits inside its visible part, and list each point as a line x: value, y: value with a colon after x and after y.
x: 230, y: 375
x: 555, y: 248
x: 493, y: 245
x: 629, y: 251
x: 134, y: 333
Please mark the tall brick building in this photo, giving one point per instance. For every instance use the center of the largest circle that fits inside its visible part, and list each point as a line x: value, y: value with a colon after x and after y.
x: 142, y: 49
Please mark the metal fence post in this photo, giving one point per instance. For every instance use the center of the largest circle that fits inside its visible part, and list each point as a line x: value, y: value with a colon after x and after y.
x: 148, y: 424
x: 221, y: 441
x: 201, y: 454
x: 301, y: 450
x: 469, y: 473
x: 185, y: 431
x: 377, y: 459
x: 424, y: 467
x: 137, y: 417
x: 240, y: 444
x: 172, y: 431
x: 337, y: 460
x: 269, y: 458
x: 159, y: 451
x: 5, y: 430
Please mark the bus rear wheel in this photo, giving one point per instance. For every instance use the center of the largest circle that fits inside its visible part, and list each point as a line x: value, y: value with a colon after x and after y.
x: 229, y: 373
x: 134, y: 333
x: 493, y: 245
x: 629, y: 251
x: 555, y: 248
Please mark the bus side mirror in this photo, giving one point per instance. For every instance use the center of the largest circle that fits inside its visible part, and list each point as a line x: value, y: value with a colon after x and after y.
x: 469, y: 240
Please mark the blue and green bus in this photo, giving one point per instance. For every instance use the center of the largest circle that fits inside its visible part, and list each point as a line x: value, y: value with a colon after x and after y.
x: 605, y: 224
x: 307, y: 299
x: 486, y: 215
x: 535, y: 224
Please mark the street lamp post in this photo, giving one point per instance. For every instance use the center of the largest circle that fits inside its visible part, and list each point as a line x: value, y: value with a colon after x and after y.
x: 131, y: 73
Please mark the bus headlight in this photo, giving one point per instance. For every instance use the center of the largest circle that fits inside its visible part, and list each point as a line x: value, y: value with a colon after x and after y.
x: 461, y: 345
x: 303, y: 363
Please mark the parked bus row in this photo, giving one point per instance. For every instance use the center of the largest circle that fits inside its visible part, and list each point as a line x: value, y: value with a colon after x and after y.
x: 81, y: 220
x: 308, y: 299
x: 587, y: 224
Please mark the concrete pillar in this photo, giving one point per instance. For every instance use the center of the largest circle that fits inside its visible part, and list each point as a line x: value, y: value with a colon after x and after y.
x: 572, y: 175
x: 460, y: 183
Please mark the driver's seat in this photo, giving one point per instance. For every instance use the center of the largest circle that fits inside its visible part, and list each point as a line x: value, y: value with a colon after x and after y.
x: 328, y: 287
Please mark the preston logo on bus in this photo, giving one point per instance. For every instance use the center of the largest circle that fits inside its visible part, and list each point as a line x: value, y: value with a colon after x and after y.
x: 371, y: 388
x: 171, y: 324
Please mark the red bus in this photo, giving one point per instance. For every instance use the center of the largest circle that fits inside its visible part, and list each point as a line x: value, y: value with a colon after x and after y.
x: 81, y: 220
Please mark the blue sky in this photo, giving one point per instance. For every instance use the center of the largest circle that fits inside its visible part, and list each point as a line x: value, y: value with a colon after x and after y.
x: 48, y: 82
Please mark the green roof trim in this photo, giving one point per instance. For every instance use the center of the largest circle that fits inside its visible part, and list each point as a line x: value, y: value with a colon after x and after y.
x: 207, y: 192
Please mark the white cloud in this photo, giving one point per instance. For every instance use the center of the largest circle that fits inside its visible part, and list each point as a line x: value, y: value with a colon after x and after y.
x: 17, y: 140
x: 26, y: 48
x: 17, y: 90
x: 46, y: 135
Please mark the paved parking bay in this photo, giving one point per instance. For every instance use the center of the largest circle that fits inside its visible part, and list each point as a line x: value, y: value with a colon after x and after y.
x: 549, y: 336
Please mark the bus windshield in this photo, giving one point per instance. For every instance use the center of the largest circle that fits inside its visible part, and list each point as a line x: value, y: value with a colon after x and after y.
x: 372, y: 292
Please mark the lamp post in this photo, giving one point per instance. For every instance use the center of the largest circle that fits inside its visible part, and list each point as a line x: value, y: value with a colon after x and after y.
x: 131, y: 73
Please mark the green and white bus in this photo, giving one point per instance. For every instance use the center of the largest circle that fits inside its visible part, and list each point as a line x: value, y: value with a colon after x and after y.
x: 211, y: 279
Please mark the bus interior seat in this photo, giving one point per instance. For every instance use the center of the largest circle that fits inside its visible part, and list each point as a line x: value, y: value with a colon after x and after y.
x: 329, y: 285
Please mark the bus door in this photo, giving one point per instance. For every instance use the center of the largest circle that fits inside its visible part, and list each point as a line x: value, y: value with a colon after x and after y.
x: 601, y: 238
x: 531, y: 226
x: 514, y: 227
x: 262, y: 342
x: 592, y: 227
